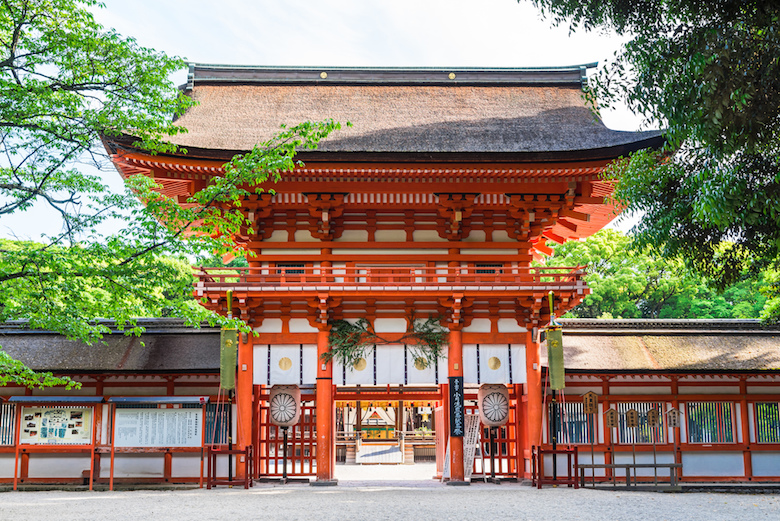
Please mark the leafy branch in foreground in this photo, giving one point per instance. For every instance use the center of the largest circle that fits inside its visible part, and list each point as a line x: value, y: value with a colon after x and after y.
x: 66, y: 83
x: 14, y: 372
x: 709, y: 74
x: 350, y: 341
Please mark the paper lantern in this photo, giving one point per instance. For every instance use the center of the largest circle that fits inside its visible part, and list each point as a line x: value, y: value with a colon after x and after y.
x: 493, y: 400
x: 284, y: 405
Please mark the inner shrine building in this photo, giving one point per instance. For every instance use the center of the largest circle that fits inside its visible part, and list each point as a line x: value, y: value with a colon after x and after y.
x: 433, y: 204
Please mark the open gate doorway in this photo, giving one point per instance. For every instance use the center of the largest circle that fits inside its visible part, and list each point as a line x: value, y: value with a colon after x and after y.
x: 389, y: 433
x: 386, y: 432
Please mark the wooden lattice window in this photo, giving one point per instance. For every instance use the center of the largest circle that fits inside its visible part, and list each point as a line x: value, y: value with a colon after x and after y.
x: 767, y: 422
x: 710, y: 422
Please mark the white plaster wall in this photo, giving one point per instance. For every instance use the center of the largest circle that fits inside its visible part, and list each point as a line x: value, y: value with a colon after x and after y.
x: 766, y: 464
x: 353, y: 236
x: 584, y: 457
x: 502, y: 236
x: 713, y: 464
x: 187, y: 465
x: 134, y: 465
x: 278, y: 236
x: 390, y: 236
x: 709, y: 389
x: 475, y: 236
x: 510, y: 325
x: 270, y: 325
x: 643, y: 457
x: 390, y: 325
x: 304, y: 236
x: 57, y: 391
x: 301, y: 325
x: 7, y: 465
x: 388, y: 252
x: 483, y: 251
x: 192, y: 390
x: 427, y: 236
x: 737, y: 415
x: 291, y: 251
x: 57, y: 465
x: 135, y: 391
x: 478, y: 325
x: 623, y: 390
x: 763, y: 389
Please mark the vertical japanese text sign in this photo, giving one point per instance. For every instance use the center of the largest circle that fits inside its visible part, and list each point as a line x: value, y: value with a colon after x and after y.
x: 457, y: 412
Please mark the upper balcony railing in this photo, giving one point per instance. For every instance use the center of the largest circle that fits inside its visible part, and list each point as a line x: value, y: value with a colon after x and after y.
x: 361, y: 278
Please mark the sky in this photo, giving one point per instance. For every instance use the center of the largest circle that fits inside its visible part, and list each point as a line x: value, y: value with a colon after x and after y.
x: 370, y: 33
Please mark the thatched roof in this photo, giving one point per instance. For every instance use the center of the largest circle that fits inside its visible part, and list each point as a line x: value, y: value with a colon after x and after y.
x: 167, y: 346
x: 504, y: 111
x: 669, y: 345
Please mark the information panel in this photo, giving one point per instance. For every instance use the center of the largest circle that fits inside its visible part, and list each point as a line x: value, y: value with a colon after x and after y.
x: 56, y: 426
x: 457, y: 412
x: 158, y: 428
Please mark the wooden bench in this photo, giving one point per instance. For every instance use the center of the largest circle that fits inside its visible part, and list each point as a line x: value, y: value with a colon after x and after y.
x: 628, y: 467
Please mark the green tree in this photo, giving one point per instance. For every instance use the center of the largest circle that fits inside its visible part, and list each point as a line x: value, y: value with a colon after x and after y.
x: 66, y: 82
x: 708, y: 71
x: 630, y: 282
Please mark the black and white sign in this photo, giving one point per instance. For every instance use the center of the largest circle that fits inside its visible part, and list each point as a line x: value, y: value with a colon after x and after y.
x: 159, y: 428
x: 457, y: 412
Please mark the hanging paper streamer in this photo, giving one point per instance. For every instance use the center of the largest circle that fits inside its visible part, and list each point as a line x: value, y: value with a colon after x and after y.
x: 228, y: 353
x: 555, y: 358
x: 555, y: 351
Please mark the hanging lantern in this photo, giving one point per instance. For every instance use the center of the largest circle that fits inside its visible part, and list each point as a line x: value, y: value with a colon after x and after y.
x: 493, y: 400
x: 284, y: 405
x: 228, y: 355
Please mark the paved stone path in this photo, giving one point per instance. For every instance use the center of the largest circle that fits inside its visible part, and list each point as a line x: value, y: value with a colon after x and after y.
x: 377, y: 494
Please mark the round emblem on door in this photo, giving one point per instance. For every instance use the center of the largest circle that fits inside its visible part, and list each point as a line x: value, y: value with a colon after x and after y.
x: 283, y: 408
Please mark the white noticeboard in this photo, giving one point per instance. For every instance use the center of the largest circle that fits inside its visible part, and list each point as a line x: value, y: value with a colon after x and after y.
x: 158, y: 428
x: 56, y: 426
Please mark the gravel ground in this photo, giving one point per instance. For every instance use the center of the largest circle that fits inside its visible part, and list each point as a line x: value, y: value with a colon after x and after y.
x: 377, y: 494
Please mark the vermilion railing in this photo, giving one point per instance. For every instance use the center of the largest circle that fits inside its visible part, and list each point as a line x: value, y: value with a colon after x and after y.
x: 387, y: 276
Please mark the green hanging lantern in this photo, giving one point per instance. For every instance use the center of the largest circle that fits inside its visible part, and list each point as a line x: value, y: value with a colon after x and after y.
x: 228, y: 355
x: 555, y: 351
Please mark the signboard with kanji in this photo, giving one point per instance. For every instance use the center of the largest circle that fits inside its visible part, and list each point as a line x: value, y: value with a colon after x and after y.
x: 653, y: 418
x: 457, y: 412
x: 632, y: 418
x: 590, y: 403
x: 612, y: 418
x: 673, y: 418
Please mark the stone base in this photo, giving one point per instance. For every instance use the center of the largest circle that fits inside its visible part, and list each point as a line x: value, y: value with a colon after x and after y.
x: 324, y: 483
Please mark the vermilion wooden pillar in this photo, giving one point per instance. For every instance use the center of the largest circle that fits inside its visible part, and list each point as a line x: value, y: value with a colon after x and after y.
x: 244, y: 398
x: 455, y: 368
x: 533, y: 390
x: 325, y: 413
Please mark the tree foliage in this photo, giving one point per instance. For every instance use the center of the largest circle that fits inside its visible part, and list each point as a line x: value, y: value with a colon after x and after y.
x: 66, y: 82
x: 708, y: 72
x: 628, y: 282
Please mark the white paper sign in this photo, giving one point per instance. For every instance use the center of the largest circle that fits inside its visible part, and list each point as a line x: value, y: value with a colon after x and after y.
x: 159, y: 428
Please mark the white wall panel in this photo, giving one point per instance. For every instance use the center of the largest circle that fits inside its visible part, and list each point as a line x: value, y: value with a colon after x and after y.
x: 713, y: 464
x: 510, y: 325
